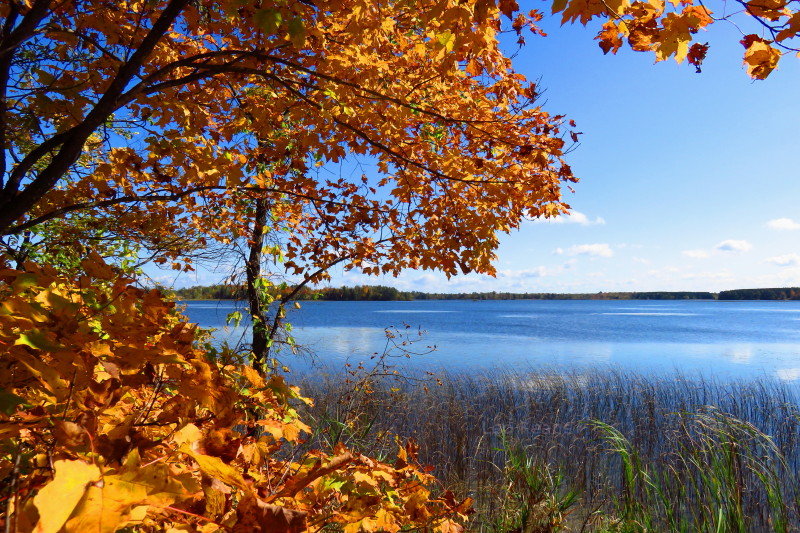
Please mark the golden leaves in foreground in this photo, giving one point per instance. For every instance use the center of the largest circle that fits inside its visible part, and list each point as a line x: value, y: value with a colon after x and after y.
x: 112, y: 417
x: 56, y: 501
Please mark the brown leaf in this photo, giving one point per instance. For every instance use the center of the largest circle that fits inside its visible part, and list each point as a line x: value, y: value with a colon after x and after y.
x: 697, y: 54
x: 256, y: 515
x: 69, y: 434
x: 509, y: 7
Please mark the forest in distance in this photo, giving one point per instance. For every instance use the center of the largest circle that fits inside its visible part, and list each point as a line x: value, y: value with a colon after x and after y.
x: 384, y: 293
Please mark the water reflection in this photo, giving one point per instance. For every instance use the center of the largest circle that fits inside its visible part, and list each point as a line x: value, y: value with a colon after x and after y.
x: 788, y: 374
x: 740, y: 354
x: 709, y: 338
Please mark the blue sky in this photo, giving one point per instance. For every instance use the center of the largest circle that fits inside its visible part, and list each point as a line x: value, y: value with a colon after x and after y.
x: 688, y: 181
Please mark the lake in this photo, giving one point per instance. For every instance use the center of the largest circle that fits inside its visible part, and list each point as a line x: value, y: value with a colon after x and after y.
x: 718, y: 339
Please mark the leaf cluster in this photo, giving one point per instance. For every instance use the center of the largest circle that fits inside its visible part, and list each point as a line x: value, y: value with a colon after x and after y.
x: 669, y: 28
x: 112, y: 416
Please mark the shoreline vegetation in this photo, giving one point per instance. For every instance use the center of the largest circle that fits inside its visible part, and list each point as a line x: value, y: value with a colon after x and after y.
x: 606, y: 451
x: 383, y: 293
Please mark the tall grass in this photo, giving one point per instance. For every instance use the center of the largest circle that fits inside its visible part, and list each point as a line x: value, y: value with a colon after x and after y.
x: 599, y: 451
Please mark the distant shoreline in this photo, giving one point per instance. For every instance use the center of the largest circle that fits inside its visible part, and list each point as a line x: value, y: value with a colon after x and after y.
x: 382, y: 293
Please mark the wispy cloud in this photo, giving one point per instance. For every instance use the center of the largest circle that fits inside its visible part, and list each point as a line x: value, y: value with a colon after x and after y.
x: 575, y: 217
x: 538, y: 272
x: 697, y: 254
x: 783, y: 224
x: 727, y: 246
x: 732, y: 245
x: 786, y: 260
x: 591, y: 250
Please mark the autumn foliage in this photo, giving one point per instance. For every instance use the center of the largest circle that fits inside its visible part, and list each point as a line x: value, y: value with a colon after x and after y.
x: 113, y: 417
x: 165, y: 118
x: 151, y: 130
x: 671, y: 28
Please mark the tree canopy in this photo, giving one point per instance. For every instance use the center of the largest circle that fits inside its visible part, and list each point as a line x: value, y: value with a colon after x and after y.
x: 161, y: 116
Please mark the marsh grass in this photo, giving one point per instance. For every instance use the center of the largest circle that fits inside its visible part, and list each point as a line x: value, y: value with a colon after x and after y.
x: 599, y: 451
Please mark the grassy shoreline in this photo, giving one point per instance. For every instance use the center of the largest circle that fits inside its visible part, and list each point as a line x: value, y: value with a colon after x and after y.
x: 601, y: 451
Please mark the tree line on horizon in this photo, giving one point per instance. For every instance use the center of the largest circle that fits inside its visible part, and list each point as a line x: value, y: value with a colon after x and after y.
x: 384, y: 293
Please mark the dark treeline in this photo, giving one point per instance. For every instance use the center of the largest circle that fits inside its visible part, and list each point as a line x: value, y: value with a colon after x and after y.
x: 390, y: 293
x: 211, y: 292
x: 382, y: 293
x: 785, y: 293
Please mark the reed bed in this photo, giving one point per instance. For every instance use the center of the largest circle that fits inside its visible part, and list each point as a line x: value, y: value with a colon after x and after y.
x: 543, y: 451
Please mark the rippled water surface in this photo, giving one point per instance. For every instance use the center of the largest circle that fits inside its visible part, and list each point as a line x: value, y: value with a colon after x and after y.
x: 715, y: 339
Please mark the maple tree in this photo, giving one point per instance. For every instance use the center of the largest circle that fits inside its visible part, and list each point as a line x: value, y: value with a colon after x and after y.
x: 162, y: 115
x: 134, y: 128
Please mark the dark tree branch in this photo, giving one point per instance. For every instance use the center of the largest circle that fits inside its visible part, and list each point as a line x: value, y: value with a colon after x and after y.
x: 26, y: 28
x: 15, y: 204
x: 5, y: 73
x: 164, y: 198
x: 377, y: 144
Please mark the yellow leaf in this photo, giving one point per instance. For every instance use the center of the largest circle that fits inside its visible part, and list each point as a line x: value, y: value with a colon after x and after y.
x: 760, y: 58
x: 360, y: 477
x: 214, y: 467
x: 253, y: 377
x: 95, y: 266
x: 447, y: 40
x: 118, y: 501
x: 37, y: 340
x: 24, y: 281
x: 187, y: 435
x: 56, y: 500
x: 386, y: 522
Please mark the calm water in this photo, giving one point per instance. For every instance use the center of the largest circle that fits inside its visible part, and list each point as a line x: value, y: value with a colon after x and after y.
x: 716, y: 339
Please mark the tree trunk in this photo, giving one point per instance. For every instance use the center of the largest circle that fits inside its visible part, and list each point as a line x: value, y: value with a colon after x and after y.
x: 253, y: 270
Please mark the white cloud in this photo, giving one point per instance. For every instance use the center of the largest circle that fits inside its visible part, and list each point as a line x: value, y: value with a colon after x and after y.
x: 469, y: 280
x: 783, y: 224
x: 732, y: 245
x: 641, y: 260
x: 574, y: 217
x: 592, y: 250
x: 558, y: 251
x: 696, y: 254
x: 538, y: 272
x: 785, y: 260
